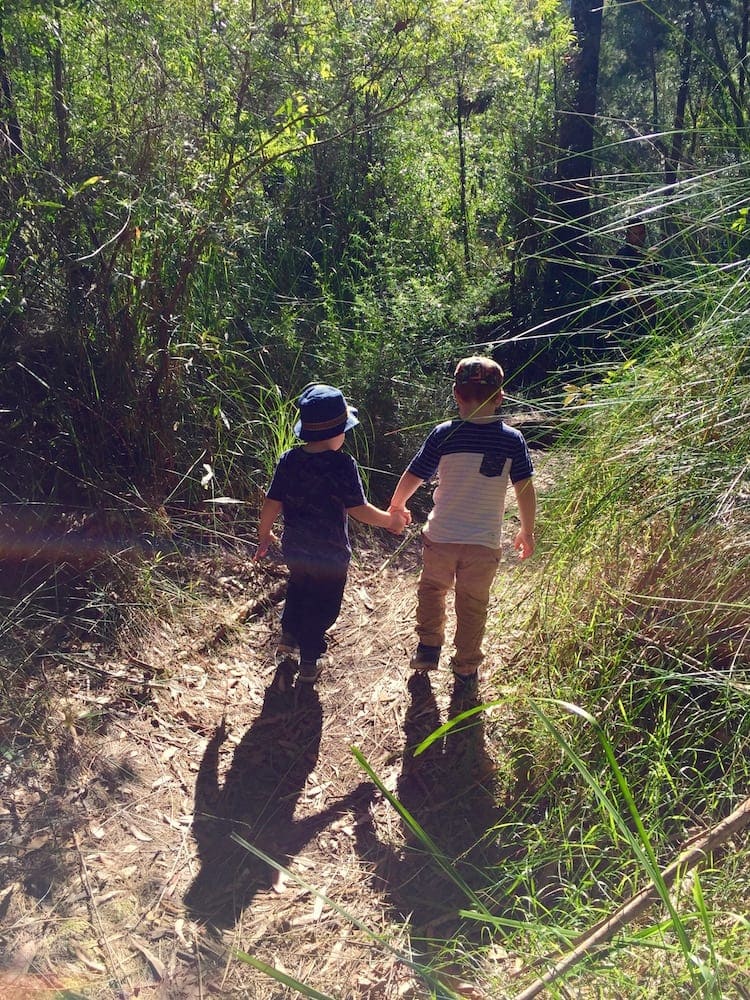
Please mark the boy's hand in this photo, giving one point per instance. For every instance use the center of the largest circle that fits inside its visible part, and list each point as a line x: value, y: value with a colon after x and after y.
x: 524, y: 543
x: 263, y: 545
x: 401, y: 510
x: 398, y: 521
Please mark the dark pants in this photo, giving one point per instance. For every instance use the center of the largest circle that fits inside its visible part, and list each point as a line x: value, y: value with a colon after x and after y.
x: 313, y: 602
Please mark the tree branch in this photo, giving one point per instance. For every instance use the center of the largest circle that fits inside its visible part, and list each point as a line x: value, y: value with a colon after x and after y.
x: 695, y: 852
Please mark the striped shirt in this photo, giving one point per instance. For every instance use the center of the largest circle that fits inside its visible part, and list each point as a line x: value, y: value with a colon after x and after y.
x: 474, y: 461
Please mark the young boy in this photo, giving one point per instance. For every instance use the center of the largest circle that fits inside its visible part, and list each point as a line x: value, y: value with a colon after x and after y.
x: 474, y: 457
x: 316, y: 486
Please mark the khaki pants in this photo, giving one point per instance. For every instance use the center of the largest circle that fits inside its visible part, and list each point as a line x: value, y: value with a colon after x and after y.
x: 471, y: 569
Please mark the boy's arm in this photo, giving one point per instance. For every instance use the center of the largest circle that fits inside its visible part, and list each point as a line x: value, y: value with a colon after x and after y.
x: 524, y: 541
x: 394, y: 520
x: 407, y: 486
x: 268, y: 514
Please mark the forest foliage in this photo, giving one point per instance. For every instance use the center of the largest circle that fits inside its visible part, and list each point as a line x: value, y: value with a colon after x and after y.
x: 202, y: 200
x: 207, y: 204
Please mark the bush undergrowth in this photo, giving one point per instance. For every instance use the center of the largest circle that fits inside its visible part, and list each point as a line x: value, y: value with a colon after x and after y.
x: 640, y: 619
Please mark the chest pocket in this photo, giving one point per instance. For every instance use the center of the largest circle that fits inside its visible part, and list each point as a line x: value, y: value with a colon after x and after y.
x: 492, y: 466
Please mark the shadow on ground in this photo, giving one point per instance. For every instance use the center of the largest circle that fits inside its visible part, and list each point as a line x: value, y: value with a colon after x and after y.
x: 256, y: 802
x: 448, y: 790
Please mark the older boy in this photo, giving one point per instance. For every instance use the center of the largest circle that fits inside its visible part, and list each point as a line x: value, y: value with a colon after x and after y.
x: 474, y: 457
x: 317, y: 487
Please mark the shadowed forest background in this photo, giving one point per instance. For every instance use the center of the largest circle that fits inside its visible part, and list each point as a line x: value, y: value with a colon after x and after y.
x: 207, y: 205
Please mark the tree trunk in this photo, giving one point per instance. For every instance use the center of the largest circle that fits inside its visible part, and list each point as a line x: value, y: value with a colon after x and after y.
x: 569, y: 274
x: 672, y: 162
x: 721, y: 61
x: 744, y: 38
x: 58, y: 96
x: 464, y: 209
x: 10, y: 128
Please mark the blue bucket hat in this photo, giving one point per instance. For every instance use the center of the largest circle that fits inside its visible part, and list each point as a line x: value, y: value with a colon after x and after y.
x: 323, y: 413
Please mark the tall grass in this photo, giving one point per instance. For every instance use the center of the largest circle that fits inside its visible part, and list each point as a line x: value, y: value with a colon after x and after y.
x: 641, y: 621
x: 636, y: 623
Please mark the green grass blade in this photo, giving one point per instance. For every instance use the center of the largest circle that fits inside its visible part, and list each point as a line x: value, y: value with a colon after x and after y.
x: 439, y: 857
x: 452, y: 724
x: 640, y: 845
x: 282, y: 977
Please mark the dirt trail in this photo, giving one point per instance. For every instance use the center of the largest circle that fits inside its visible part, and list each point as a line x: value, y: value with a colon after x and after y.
x: 119, y: 876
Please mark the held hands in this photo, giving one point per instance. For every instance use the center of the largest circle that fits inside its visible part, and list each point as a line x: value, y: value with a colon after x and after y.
x: 399, y: 518
x: 524, y: 543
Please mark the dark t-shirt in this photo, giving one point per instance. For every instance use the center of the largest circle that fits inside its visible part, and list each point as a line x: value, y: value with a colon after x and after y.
x: 315, y: 490
x: 634, y: 264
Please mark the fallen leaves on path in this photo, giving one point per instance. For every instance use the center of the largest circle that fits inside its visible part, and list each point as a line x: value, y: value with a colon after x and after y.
x: 166, y: 749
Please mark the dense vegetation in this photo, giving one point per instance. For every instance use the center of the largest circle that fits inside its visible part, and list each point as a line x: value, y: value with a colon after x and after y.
x: 206, y: 205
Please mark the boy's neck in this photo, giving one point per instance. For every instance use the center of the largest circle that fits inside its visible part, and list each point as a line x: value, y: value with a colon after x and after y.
x: 478, y: 411
x: 315, y: 447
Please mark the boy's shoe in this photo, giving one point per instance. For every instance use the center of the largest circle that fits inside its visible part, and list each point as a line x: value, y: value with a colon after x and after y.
x: 283, y: 678
x: 425, y: 657
x: 465, y: 685
x: 287, y: 650
x: 310, y: 670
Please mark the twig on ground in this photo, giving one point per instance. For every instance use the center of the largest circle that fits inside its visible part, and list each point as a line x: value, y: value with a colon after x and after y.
x: 111, y: 961
x: 243, y: 615
x: 694, y: 853
x: 408, y: 536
